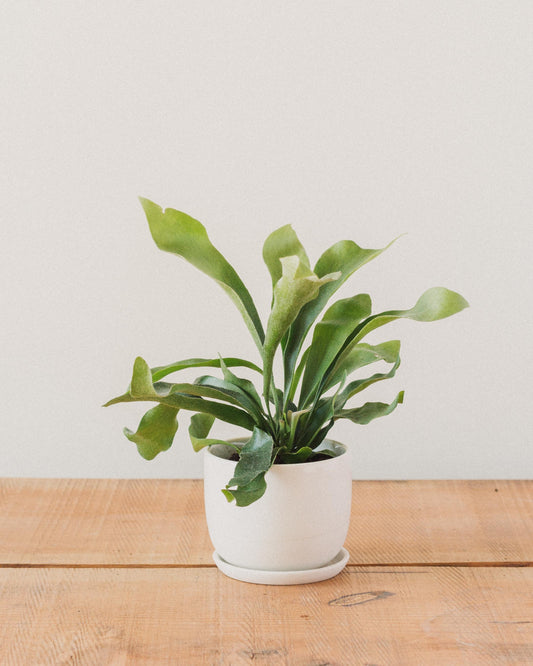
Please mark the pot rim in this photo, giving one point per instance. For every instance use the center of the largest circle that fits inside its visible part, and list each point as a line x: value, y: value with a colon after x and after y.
x: 343, y: 449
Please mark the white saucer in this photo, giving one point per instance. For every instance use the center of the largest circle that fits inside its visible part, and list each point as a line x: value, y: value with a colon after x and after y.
x: 332, y: 568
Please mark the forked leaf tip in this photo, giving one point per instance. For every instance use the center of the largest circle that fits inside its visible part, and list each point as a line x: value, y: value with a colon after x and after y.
x: 228, y: 495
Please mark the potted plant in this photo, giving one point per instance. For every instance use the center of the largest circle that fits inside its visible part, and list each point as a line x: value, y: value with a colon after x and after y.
x: 277, y: 502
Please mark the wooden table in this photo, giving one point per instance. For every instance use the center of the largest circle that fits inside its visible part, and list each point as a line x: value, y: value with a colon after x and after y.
x: 119, y: 572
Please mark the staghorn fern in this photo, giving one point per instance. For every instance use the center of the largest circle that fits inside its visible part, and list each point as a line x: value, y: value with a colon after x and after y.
x: 285, y: 427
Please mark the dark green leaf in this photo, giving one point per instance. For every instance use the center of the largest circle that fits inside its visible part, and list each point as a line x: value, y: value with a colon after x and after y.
x: 360, y: 384
x: 311, y: 423
x: 329, y: 337
x: 321, y: 434
x: 369, y: 411
x: 232, y: 393
x: 291, y: 388
x: 326, y: 452
x: 302, y: 455
x: 181, y: 396
x: 312, y: 431
x: 356, y: 356
x: 255, y: 458
x: 245, y: 386
x: 344, y: 257
x: 164, y: 370
x: 251, y: 492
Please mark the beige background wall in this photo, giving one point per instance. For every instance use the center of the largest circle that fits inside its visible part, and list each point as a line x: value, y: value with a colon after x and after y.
x: 357, y: 120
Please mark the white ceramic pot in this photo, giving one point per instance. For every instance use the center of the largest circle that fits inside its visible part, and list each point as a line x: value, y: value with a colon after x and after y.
x: 299, y: 524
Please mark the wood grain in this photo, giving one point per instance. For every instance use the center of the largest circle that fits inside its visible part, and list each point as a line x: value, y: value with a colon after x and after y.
x: 92, y: 522
x: 117, y: 572
x: 414, y: 616
x: 96, y: 521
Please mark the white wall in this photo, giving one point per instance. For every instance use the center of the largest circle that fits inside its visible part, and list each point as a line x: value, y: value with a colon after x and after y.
x: 356, y: 120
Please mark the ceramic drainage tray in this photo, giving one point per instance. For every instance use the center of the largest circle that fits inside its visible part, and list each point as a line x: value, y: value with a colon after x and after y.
x: 332, y: 568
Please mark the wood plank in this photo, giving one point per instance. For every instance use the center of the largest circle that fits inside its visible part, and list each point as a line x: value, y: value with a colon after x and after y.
x: 428, y: 615
x: 102, y: 521
x: 441, y: 522
x: 161, y: 522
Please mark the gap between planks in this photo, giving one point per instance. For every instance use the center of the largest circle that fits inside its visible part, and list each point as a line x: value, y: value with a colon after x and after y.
x: 389, y: 565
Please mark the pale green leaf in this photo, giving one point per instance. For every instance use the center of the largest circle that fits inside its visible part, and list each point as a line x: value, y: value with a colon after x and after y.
x: 141, y: 381
x: 199, y: 428
x: 435, y: 303
x: 282, y: 243
x: 296, y: 287
x: 155, y: 432
x: 177, y: 232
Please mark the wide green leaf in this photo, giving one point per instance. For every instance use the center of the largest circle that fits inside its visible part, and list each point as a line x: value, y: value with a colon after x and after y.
x: 164, y: 370
x: 292, y: 457
x: 435, y: 303
x: 357, y: 356
x: 344, y: 257
x: 246, y: 387
x: 321, y: 435
x: 329, y: 337
x: 369, y: 411
x: 141, y: 380
x: 177, y: 232
x: 142, y: 387
x: 182, y: 396
x: 199, y: 428
x: 233, y: 393
x: 155, y: 432
x: 360, y: 384
x: 304, y: 454
x: 297, y: 286
x: 282, y: 243
x: 246, y: 495
x: 255, y: 458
